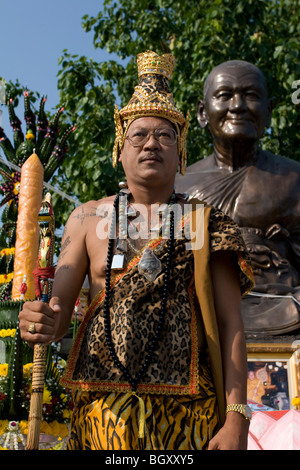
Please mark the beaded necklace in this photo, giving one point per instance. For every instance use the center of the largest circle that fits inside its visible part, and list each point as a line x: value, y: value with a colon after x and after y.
x: 149, y: 265
x: 106, y: 307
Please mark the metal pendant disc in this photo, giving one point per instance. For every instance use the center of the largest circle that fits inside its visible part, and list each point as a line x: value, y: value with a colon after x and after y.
x: 149, y: 265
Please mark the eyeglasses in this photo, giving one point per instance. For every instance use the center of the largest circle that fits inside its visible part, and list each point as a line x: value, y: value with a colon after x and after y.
x: 139, y: 136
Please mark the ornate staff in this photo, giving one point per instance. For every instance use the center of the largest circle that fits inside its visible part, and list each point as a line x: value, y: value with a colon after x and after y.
x: 43, y: 273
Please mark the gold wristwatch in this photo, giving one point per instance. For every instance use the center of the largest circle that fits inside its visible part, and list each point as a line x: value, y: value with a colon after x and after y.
x: 244, y: 410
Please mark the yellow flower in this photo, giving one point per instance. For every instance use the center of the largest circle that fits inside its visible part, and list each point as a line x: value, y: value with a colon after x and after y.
x: 63, y: 430
x: 63, y: 397
x: 23, y: 427
x: 3, y: 426
x: 3, y: 369
x: 29, y: 135
x: 45, y: 428
x: 62, y: 363
x: 6, y: 277
x: 16, y: 189
x: 27, y: 370
x: 67, y: 414
x: 296, y: 402
x: 54, y: 428
x: 7, y: 251
x: 8, y: 332
x: 47, y: 396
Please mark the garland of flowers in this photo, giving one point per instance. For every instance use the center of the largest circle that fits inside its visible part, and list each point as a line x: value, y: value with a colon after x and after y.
x: 9, y: 332
x: 57, y: 401
x: 6, y: 277
x: 7, y: 251
x: 12, y: 434
x: 52, y: 429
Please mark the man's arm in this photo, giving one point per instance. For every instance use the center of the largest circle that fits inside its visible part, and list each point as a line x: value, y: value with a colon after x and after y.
x: 227, y: 295
x: 52, y: 321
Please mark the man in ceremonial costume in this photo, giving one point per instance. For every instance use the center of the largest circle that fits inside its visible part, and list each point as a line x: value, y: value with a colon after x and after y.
x: 160, y: 353
x: 257, y: 189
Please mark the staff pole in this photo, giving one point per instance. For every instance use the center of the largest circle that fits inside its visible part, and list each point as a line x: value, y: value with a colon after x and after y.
x: 43, y: 274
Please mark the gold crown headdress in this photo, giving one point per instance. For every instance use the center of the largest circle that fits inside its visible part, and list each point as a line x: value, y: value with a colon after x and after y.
x: 152, y: 97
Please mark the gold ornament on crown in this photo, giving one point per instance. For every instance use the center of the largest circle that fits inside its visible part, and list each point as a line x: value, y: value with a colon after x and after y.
x: 150, y: 62
x: 152, y: 97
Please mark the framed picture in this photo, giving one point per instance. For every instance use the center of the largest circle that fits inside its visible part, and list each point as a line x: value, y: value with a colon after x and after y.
x: 273, y: 375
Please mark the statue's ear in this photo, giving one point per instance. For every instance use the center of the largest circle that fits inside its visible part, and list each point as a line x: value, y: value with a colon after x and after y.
x: 201, y: 114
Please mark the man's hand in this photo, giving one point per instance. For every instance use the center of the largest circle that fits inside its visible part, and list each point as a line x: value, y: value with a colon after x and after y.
x: 45, y: 319
x: 233, y: 435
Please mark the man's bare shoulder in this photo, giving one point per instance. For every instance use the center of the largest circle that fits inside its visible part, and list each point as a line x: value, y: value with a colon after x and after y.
x: 89, y: 210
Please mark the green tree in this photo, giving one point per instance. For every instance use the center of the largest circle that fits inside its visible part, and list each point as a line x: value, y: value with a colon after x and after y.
x: 201, y: 35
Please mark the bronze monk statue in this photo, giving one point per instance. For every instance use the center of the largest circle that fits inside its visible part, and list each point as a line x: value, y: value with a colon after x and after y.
x: 259, y: 190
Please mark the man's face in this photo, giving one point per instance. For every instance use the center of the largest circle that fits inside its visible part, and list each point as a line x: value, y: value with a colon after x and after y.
x: 251, y: 375
x: 153, y: 162
x: 236, y: 104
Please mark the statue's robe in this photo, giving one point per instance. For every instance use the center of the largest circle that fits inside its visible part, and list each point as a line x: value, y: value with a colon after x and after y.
x: 263, y: 198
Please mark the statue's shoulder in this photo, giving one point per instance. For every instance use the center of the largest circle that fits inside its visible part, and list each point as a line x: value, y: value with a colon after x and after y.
x: 279, y: 162
x: 202, y: 164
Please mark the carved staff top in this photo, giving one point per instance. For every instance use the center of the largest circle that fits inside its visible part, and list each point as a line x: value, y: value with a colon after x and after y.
x: 45, y: 269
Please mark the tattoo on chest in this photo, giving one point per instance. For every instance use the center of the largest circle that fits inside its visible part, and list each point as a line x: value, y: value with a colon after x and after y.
x: 83, y: 215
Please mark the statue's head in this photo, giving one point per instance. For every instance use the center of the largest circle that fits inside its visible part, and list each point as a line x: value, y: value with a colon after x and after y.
x: 236, y: 104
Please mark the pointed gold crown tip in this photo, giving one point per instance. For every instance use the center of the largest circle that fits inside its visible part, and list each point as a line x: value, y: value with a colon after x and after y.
x: 151, y: 63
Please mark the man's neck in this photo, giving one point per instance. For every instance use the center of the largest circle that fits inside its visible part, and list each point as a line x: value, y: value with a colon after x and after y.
x: 146, y: 201
x: 149, y: 196
x: 234, y: 155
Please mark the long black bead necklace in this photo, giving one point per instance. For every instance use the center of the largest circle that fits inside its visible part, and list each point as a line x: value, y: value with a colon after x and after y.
x: 106, y: 307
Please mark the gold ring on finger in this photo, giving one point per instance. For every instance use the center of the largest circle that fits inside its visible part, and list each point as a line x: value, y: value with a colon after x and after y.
x: 31, y: 328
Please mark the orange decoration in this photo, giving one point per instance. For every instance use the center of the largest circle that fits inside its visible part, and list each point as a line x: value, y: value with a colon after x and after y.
x: 27, y: 243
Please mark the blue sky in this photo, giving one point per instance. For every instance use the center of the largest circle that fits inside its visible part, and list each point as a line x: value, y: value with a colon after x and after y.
x: 33, y: 34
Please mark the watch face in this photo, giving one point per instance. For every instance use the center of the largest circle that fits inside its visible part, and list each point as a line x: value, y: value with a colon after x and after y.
x: 248, y: 411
